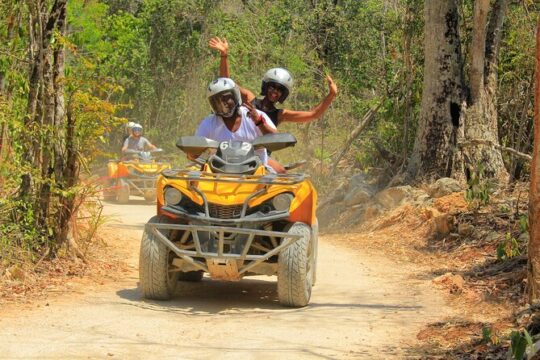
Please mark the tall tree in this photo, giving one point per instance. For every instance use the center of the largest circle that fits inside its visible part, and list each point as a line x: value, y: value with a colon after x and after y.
x: 534, y: 193
x: 442, y: 91
x: 458, y: 132
x: 479, y: 117
x: 46, y: 143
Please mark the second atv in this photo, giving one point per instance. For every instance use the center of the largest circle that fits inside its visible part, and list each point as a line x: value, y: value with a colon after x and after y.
x: 135, y: 174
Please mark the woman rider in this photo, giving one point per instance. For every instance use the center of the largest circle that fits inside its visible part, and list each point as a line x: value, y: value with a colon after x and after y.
x: 276, y: 86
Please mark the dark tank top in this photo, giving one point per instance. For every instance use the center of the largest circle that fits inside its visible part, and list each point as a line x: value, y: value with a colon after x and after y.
x: 273, y: 113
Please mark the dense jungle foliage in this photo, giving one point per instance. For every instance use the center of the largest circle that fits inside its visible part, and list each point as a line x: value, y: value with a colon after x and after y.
x: 148, y: 61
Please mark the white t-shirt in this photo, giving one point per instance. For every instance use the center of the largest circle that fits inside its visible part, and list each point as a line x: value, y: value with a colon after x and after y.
x: 213, y: 127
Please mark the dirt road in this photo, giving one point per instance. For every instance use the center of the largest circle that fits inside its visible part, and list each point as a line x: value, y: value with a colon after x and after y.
x: 363, y: 306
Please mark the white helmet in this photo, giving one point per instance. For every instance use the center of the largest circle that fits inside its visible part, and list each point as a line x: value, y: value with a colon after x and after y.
x: 219, y: 91
x: 137, y: 127
x: 129, y: 125
x: 278, y: 76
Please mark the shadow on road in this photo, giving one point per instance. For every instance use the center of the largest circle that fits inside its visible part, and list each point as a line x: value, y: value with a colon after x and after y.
x: 218, y: 297
x: 212, y: 297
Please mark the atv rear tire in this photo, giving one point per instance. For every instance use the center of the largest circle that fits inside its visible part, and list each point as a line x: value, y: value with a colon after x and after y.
x: 191, y: 276
x: 155, y: 262
x: 109, y: 194
x: 122, y: 194
x: 296, y: 265
x: 150, y: 195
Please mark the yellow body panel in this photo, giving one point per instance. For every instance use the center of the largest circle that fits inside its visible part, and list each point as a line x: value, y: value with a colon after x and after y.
x: 236, y: 193
x: 121, y: 168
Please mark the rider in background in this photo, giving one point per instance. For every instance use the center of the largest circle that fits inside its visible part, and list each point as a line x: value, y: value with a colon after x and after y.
x: 276, y: 86
x: 136, y: 141
x: 128, y: 133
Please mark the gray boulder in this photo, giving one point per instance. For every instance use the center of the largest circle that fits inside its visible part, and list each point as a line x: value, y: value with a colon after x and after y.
x: 358, y: 195
x: 394, y: 196
x: 443, y: 187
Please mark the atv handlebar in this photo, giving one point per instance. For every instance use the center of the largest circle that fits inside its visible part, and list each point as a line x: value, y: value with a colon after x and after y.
x: 136, y: 152
x: 272, y: 142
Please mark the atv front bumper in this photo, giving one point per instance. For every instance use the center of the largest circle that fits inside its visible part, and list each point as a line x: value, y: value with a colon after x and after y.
x: 141, y: 185
x: 221, y: 264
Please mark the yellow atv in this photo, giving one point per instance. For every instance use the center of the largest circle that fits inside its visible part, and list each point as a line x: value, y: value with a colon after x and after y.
x: 230, y: 219
x: 136, y: 174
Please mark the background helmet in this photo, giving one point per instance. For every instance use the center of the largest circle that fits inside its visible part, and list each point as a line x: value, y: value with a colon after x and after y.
x: 137, y: 127
x: 220, y: 88
x: 279, y: 76
x: 129, y: 125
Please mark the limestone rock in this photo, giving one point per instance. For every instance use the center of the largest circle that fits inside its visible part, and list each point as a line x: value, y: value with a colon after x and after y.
x: 394, y: 196
x: 443, y: 187
x: 371, y: 212
x: 360, y: 191
x: 358, y: 195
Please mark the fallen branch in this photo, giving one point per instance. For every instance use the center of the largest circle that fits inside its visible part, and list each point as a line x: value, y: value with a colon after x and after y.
x: 385, y: 154
x: 366, y: 120
x: 475, y: 142
x: 501, y: 267
x: 368, y: 116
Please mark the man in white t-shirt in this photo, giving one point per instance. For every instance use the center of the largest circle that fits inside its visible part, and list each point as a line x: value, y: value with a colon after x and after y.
x: 136, y: 141
x: 233, y: 121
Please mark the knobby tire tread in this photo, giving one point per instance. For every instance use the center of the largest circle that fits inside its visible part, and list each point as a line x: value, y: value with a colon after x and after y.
x: 153, y: 266
x: 292, y: 288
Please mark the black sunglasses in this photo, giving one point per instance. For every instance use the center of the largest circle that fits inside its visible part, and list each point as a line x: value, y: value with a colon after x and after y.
x: 277, y: 87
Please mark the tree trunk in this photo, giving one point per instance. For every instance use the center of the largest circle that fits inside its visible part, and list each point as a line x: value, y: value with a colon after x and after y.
x: 13, y: 20
x: 481, y: 9
x: 442, y: 92
x: 66, y: 165
x: 31, y: 122
x: 480, y: 118
x: 408, y: 20
x: 533, y: 272
x: 54, y: 21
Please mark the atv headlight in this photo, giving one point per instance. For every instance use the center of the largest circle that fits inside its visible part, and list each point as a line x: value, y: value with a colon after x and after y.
x: 172, y: 196
x: 282, y: 202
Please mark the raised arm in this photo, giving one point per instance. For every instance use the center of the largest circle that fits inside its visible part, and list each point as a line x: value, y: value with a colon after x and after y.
x: 316, y: 112
x: 222, y: 46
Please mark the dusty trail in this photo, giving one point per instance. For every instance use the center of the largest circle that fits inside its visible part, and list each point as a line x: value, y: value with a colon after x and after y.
x: 363, y: 306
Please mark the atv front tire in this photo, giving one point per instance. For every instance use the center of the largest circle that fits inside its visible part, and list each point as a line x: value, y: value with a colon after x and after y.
x: 296, y: 265
x: 122, y: 194
x: 109, y: 194
x: 155, y: 262
x: 150, y: 195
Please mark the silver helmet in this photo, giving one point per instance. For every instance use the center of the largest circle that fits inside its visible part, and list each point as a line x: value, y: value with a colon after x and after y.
x: 224, y: 96
x: 280, y: 77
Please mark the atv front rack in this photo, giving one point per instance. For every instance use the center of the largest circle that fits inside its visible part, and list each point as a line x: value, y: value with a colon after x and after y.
x: 141, y: 185
x: 268, y: 179
x: 240, y: 261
